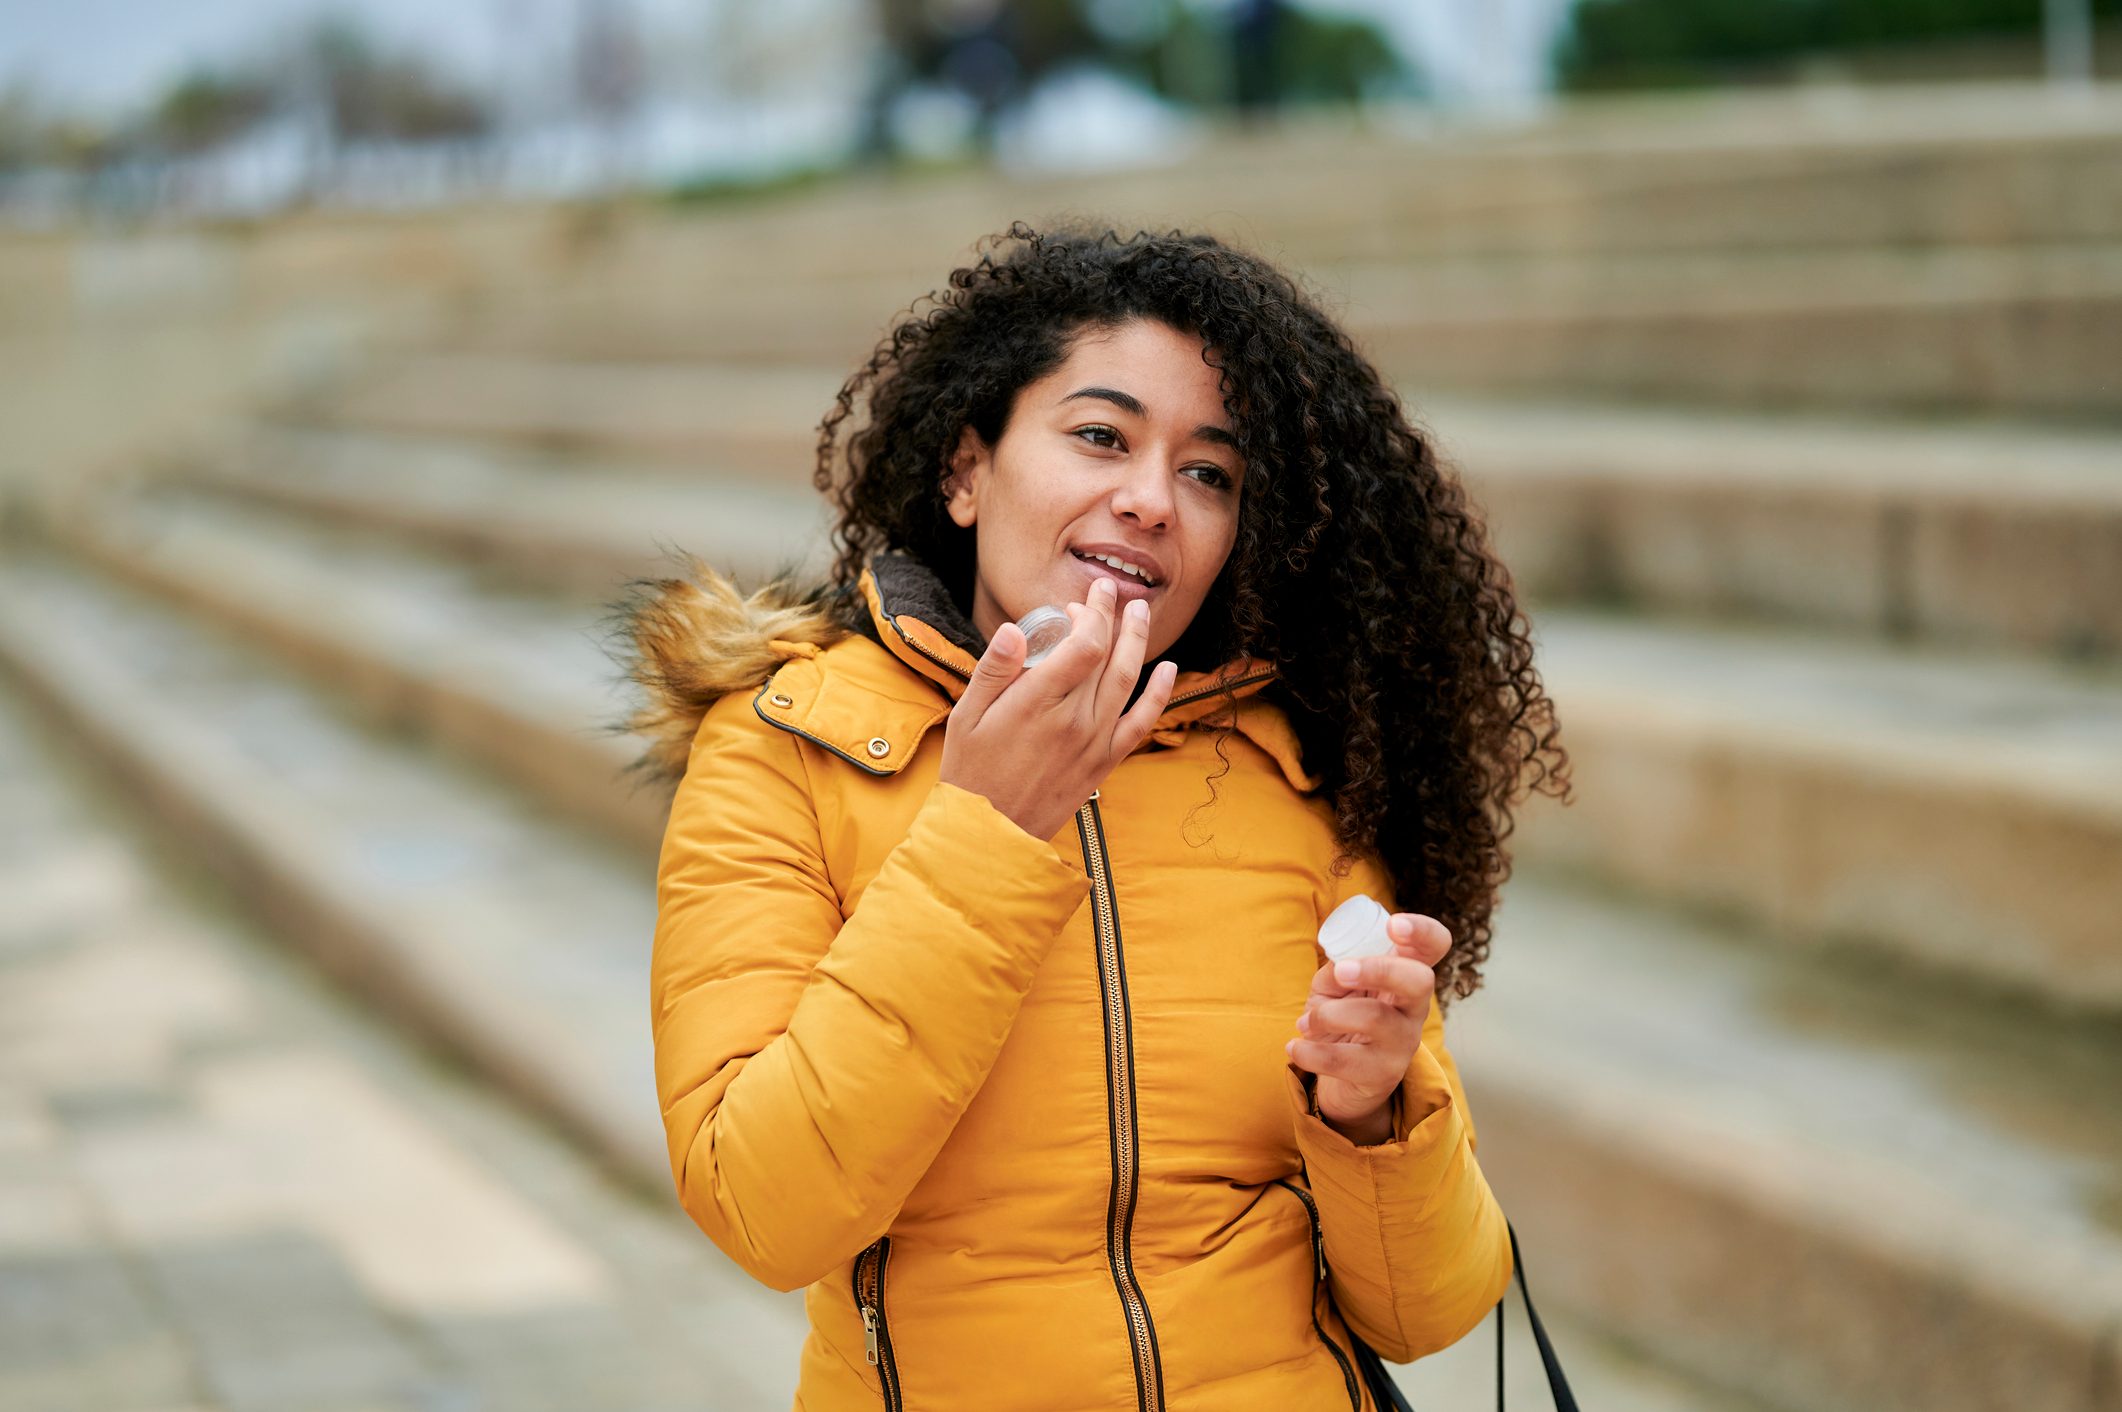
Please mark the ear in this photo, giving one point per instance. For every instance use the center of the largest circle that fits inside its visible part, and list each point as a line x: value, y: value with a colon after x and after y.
x: 969, y: 463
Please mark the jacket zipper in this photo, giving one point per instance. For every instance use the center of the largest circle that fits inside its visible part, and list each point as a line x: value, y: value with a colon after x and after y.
x: 876, y: 1329
x: 1348, y: 1371
x: 1232, y: 685
x: 1120, y: 1108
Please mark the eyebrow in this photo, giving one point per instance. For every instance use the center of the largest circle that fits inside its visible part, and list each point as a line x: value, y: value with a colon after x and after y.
x: 1131, y: 404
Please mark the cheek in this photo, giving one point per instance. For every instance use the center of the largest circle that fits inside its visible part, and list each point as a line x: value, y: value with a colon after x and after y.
x: 1209, y: 557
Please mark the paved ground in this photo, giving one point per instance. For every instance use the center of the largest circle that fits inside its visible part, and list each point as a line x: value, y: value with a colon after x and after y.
x: 221, y: 1186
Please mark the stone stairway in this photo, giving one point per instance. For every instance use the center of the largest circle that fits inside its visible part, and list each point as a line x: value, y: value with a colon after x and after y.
x: 225, y: 1188
x: 1799, y: 1069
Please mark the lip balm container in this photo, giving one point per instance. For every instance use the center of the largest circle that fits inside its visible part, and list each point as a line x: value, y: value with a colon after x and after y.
x: 1356, y: 928
x: 1045, y: 628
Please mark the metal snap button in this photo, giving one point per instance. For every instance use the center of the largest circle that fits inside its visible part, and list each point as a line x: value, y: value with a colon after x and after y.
x: 879, y: 746
x: 779, y: 700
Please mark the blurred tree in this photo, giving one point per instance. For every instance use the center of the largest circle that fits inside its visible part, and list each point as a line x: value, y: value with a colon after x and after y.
x: 1254, y: 55
x: 1617, y: 43
x: 21, y: 127
x: 991, y: 51
x: 206, y: 109
x: 81, y: 145
x: 370, y: 94
x: 1264, y: 54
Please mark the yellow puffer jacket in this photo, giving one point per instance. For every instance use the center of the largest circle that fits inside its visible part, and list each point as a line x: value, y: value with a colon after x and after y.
x: 1016, y: 1111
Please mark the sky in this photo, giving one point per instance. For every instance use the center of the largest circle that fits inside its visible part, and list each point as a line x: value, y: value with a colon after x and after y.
x: 109, y: 56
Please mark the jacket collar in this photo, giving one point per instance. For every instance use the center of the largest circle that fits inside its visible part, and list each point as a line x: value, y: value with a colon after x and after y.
x: 906, y: 609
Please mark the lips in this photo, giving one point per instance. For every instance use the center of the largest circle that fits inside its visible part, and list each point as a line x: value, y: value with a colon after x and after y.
x: 1151, y: 569
x: 1128, y: 585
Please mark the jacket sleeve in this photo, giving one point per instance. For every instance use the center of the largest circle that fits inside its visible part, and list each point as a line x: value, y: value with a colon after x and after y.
x: 810, y: 1066
x: 1416, y: 1245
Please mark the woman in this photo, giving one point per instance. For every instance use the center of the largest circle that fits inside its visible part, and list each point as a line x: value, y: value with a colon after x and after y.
x: 973, y: 981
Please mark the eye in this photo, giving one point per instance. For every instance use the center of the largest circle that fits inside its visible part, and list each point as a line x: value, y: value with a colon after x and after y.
x: 1217, y: 478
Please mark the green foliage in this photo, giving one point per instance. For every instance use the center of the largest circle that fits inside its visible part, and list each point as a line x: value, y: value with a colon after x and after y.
x: 1628, y: 42
x: 1306, y: 58
x: 374, y: 94
x: 206, y: 109
x: 21, y: 128
x: 724, y: 189
x: 1321, y: 58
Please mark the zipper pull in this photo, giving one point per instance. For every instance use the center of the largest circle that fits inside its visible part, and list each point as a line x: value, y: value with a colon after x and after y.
x: 869, y: 1330
x: 1319, y: 1249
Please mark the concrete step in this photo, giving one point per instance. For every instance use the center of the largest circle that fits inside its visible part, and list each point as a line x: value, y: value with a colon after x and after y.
x: 539, y: 520
x: 1730, y: 286
x: 1896, y: 195
x: 504, y: 934
x: 512, y: 936
x: 226, y: 1185
x: 1904, y: 530
x: 1954, y: 811
x: 1959, y: 812
x: 1682, y: 174
x: 1896, y: 527
x: 2047, y: 348
x: 1841, y: 1192
x: 2025, y: 330
x: 421, y: 646
x: 759, y: 417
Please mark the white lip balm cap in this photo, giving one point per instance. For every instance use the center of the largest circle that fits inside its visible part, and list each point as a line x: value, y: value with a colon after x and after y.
x: 1356, y: 928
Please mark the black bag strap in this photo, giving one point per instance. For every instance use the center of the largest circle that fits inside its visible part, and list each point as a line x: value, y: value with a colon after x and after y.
x: 1557, y: 1385
x: 1385, y: 1393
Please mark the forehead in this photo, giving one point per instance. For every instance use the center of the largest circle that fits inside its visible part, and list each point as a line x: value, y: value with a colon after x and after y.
x: 1155, y: 361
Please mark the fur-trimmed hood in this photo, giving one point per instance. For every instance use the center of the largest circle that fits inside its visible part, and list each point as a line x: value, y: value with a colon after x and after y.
x: 690, y: 639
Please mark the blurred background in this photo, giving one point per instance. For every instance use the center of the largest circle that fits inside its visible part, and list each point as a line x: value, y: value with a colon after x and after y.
x: 351, y: 358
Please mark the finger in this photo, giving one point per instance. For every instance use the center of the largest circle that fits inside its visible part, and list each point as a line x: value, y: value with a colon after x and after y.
x: 1089, y: 639
x: 1419, y: 937
x: 1359, y: 1019
x: 1358, y: 1065
x: 1104, y: 603
x: 1124, y: 667
x: 1141, y: 718
x: 1401, y: 976
x: 998, y: 666
x: 1104, y: 599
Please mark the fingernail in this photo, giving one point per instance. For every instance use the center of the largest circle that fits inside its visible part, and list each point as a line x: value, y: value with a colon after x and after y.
x: 1347, y: 971
x: 1137, y: 609
x: 1290, y: 1049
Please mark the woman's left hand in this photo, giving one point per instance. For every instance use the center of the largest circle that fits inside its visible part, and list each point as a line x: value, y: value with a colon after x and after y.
x: 1363, y: 1022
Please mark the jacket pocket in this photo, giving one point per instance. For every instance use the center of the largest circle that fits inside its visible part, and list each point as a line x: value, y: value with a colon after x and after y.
x: 1348, y: 1368
x: 876, y: 1328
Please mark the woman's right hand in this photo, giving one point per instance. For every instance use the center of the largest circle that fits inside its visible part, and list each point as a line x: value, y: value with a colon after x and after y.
x: 1037, y: 743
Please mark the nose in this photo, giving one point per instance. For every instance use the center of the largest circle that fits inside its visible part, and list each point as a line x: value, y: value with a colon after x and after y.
x: 1144, y: 494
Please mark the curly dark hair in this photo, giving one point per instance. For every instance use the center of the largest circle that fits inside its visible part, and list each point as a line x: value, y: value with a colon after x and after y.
x: 1360, y: 568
